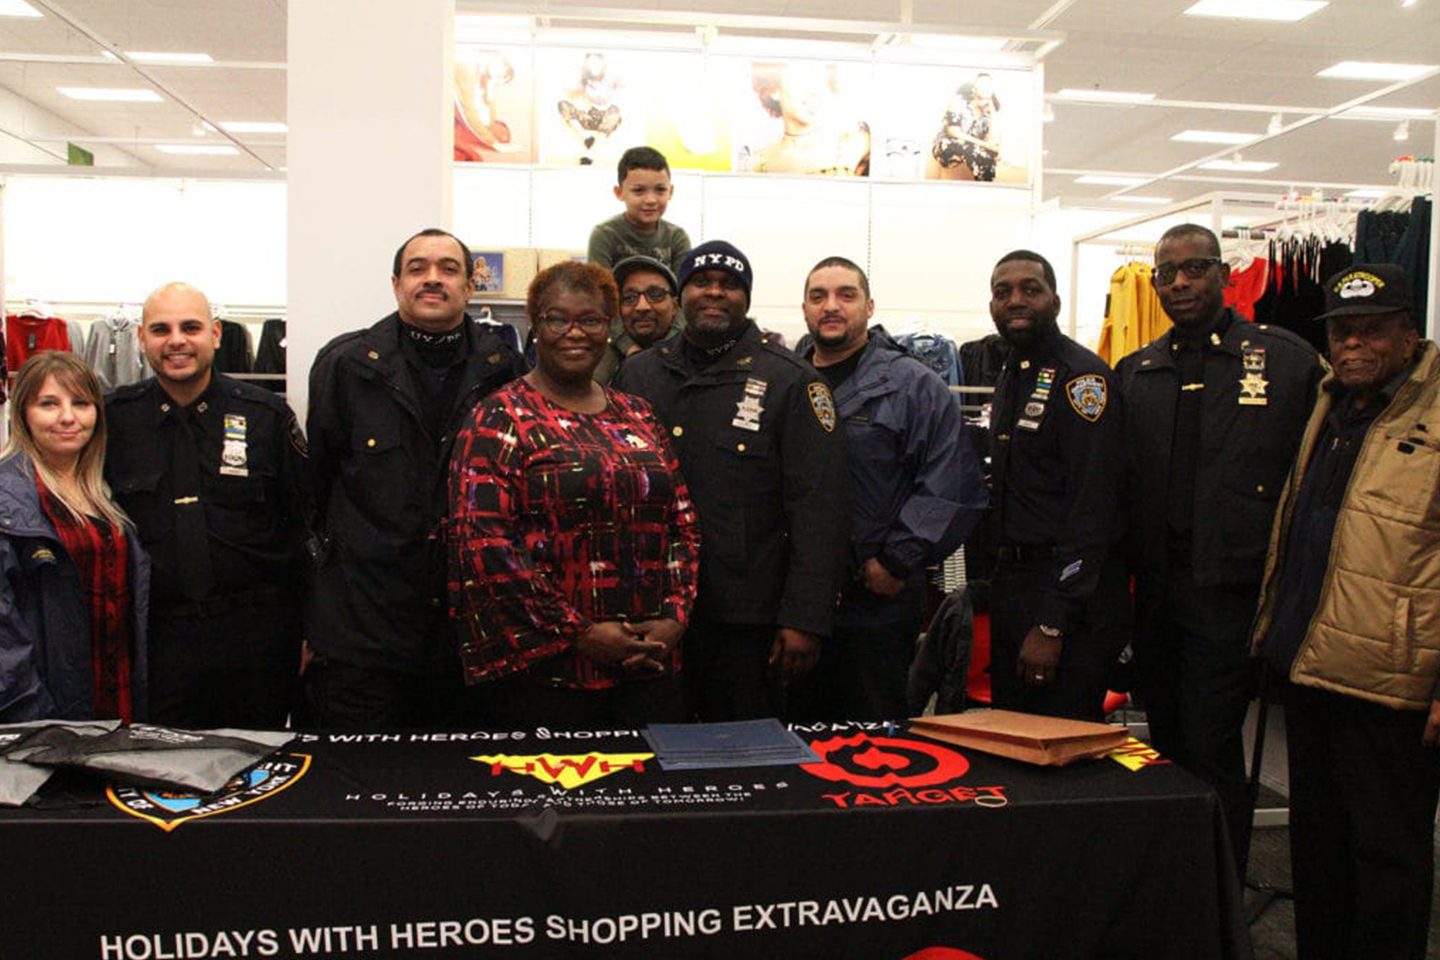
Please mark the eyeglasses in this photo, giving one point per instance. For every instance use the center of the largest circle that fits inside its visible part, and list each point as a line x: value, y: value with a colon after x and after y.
x: 559, y: 324
x: 1194, y: 269
x: 654, y: 294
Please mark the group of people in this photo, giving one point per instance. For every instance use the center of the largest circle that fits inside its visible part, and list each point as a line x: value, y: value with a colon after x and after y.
x: 1280, y: 522
x: 724, y: 529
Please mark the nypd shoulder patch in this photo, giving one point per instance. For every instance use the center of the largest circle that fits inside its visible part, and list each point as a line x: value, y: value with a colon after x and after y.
x: 1088, y: 395
x: 823, y: 404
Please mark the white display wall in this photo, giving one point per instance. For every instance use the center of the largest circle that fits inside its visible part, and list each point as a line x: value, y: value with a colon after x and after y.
x: 928, y: 247
x: 77, y: 240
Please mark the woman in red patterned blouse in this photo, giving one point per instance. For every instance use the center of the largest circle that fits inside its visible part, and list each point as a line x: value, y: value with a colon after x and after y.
x: 72, y: 600
x: 574, y: 544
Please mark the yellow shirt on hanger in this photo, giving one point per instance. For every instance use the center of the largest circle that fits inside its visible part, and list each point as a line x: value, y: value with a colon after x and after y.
x: 1133, y: 315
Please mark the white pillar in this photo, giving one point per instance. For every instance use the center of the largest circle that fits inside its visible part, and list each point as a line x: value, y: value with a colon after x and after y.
x: 369, y: 159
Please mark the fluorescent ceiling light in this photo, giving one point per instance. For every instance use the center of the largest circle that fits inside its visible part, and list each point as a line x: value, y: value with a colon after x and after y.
x: 17, y: 8
x: 206, y: 149
x: 1240, y: 166
x: 1386, y: 113
x: 112, y: 94
x: 1104, y: 96
x: 1105, y: 180
x: 254, y: 126
x: 937, y: 41
x: 1213, y: 136
x: 151, y: 56
x: 1286, y: 10
x: 1366, y: 70
x: 1367, y: 194
x: 1131, y: 198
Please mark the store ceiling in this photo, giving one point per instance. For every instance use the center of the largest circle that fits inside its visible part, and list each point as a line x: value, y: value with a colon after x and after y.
x: 1127, y: 45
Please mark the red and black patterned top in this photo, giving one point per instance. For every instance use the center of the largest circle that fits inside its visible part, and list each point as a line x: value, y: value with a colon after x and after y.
x: 560, y: 519
x: 99, y: 551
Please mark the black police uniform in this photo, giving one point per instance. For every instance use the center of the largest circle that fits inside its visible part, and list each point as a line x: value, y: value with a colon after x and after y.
x: 221, y: 494
x: 1212, y: 423
x: 1057, y: 463
x: 381, y: 631
x: 756, y: 435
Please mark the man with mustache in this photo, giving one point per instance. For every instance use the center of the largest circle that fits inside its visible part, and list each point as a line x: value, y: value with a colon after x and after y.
x: 1059, y: 610
x: 384, y: 406
x: 1214, y: 410
x: 213, y: 471
x: 649, y: 303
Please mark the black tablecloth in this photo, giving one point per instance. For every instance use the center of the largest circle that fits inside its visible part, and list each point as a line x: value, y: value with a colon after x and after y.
x: 579, y: 845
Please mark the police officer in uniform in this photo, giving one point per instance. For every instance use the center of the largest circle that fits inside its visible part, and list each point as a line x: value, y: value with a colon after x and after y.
x: 1059, y: 608
x: 1214, y: 408
x: 214, y: 473
x: 385, y: 403
x: 755, y: 430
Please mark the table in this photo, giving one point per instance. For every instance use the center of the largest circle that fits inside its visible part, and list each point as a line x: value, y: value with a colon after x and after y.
x: 548, y: 844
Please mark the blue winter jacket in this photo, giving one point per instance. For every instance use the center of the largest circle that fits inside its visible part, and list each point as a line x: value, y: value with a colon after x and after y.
x: 915, y: 477
x: 45, y: 670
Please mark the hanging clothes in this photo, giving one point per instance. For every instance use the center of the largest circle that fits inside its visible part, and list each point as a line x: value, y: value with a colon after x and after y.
x: 1133, y: 315
x: 113, y: 351
x: 29, y: 334
x: 1247, y: 286
x: 236, y: 354
x: 270, y: 356
x: 1295, y: 295
x: 936, y: 352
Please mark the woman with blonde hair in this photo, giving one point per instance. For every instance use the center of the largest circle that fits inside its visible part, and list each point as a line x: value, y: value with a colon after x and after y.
x: 73, y: 579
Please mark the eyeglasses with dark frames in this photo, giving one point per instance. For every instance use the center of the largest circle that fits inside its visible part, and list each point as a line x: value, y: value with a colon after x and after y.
x: 654, y: 294
x: 1194, y: 269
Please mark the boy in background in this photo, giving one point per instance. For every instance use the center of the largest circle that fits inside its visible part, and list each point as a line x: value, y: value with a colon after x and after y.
x: 644, y: 187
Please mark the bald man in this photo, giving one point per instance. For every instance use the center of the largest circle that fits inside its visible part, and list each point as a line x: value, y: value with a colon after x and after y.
x: 214, y: 473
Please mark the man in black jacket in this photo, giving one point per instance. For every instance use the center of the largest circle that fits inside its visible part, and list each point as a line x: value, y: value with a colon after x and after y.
x: 384, y: 406
x: 756, y: 432
x: 1214, y: 412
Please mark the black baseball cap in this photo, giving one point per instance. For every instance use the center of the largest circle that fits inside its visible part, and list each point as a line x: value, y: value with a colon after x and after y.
x: 1368, y: 288
x: 631, y: 264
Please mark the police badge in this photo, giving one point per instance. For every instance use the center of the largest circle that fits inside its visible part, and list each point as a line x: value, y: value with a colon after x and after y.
x: 233, y: 453
x: 1088, y: 395
x: 823, y: 404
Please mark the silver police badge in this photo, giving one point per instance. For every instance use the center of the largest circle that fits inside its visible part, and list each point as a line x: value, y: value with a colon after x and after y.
x: 234, y: 453
x: 823, y: 404
x: 1088, y: 395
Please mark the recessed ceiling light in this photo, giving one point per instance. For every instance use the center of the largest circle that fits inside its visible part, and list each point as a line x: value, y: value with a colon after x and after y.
x: 18, y: 8
x: 1240, y: 166
x: 208, y: 149
x: 1131, y: 198
x: 1104, y: 96
x: 1213, y: 136
x: 1366, y: 70
x: 1106, y: 180
x: 112, y: 94
x: 151, y: 56
x: 1286, y: 10
x: 254, y: 126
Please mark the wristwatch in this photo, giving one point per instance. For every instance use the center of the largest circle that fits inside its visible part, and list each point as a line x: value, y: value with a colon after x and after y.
x: 1052, y: 632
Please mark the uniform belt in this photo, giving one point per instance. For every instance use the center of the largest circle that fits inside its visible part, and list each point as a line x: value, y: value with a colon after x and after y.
x: 221, y: 605
x: 1026, y: 552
